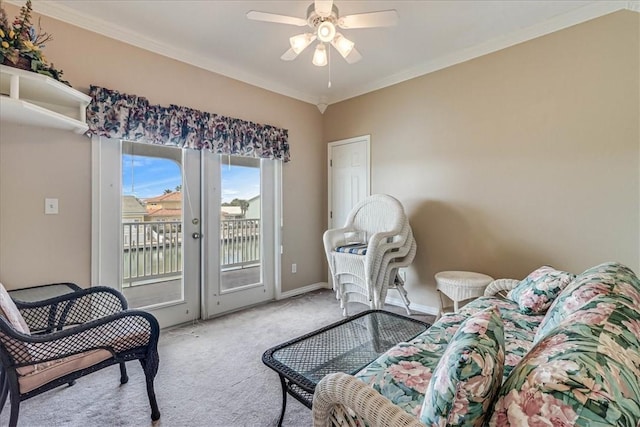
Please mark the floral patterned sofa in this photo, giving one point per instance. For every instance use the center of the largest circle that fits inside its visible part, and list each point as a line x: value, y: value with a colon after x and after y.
x: 559, y: 350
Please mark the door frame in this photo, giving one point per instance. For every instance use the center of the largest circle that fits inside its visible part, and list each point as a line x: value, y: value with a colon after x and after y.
x: 366, y: 139
x: 105, y: 191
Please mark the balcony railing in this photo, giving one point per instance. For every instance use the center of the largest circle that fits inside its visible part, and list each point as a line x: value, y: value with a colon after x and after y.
x: 153, y: 250
x: 239, y: 243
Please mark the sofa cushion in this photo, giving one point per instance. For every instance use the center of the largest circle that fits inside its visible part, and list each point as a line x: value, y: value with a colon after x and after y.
x: 598, y: 280
x: 539, y: 289
x: 519, y: 328
x: 33, y: 376
x: 585, y: 371
x: 468, y: 375
x: 403, y: 372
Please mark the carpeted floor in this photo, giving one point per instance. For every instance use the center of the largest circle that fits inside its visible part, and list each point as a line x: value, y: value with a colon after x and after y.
x: 211, y: 374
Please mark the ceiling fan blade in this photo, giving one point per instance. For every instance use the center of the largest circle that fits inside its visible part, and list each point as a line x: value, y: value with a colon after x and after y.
x: 278, y: 19
x: 323, y: 7
x: 353, y: 57
x: 383, y: 18
x: 289, y: 55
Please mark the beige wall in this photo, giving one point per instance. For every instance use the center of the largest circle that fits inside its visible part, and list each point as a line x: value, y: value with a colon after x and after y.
x: 522, y: 157
x: 35, y: 248
x: 526, y: 156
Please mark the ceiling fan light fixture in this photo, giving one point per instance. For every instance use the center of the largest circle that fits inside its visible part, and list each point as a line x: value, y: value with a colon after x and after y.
x: 342, y: 45
x: 320, y: 56
x: 326, y: 31
x: 301, y: 41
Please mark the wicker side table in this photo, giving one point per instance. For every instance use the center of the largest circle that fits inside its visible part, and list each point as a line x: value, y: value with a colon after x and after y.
x: 460, y: 286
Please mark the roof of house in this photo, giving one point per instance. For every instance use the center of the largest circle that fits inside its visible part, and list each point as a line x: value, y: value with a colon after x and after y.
x: 174, y: 196
x: 131, y: 205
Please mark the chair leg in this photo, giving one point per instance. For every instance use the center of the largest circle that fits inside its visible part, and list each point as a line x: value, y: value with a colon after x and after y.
x: 404, y: 298
x: 150, y: 368
x: 15, y: 408
x: 124, y: 378
x: 4, y: 390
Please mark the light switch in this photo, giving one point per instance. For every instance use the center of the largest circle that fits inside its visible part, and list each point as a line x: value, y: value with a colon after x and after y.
x: 51, y: 206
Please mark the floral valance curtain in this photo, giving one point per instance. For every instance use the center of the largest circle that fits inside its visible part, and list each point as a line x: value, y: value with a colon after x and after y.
x: 118, y: 115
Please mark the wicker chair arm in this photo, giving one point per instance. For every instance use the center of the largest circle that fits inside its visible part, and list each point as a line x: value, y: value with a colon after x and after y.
x: 117, y: 333
x: 335, y: 237
x: 71, y: 286
x: 381, y: 246
x: 500, y: 287
x: 341, y: 399
x: 73, y: 308
x: 79, y: 293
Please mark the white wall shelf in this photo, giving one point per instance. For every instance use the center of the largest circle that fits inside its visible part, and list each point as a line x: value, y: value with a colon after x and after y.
x: 37, y: 100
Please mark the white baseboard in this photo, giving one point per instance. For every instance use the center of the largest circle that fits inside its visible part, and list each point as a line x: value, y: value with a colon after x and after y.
x: 303, y: 290
x: 426, y: 309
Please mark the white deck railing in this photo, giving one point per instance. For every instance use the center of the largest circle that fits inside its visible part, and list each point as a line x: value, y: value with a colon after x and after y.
x: 153, y: 250
x: 239, y: 243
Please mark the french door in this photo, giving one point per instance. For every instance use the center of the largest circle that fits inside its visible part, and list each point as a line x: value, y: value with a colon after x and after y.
x: 146, y: 226
x: 182, y: 233
x: 241, y: 220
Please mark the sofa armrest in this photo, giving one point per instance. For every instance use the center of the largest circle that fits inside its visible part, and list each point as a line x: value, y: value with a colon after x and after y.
x: 341, y: 399
x: 500, y: 287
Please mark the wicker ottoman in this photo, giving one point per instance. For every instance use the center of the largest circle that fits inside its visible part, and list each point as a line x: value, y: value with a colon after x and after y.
x: 460, y: 286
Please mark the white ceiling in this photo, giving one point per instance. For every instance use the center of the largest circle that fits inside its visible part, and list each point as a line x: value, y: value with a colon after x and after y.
x: 430, y: 35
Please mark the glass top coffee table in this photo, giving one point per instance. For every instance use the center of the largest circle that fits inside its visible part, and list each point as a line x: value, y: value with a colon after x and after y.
x: 345, y: 346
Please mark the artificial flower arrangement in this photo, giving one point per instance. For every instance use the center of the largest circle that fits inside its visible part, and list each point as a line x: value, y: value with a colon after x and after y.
x: 21, y: 44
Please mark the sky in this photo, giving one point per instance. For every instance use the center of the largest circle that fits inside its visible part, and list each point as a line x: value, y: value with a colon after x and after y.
x: 146, y: 177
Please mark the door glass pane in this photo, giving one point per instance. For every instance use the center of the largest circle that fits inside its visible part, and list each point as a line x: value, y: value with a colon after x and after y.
x: 240, y: 223
x: 151, y: 224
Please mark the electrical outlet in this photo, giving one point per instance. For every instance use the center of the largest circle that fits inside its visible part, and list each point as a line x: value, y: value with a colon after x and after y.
x: 294, y: 268
x: 51, y: 206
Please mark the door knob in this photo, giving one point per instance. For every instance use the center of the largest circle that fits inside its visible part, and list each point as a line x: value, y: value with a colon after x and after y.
x: 196, y: 235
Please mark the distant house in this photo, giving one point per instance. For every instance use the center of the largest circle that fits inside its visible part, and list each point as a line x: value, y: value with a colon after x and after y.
x: 164, y: 215
x: 231, y: 212
x: 253, y: 211
x: 132, y: 209
x: 167, y: 207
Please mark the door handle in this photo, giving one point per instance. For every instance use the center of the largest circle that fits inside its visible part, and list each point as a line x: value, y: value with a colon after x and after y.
x: 196, y: 235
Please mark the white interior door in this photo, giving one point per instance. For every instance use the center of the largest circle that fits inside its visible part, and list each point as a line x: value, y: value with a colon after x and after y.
x: 349, y: 172
x: 240, y: 211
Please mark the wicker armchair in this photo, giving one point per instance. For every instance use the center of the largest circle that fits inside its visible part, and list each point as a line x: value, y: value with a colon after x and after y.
x: 362, y: 276
x: 52, y: 342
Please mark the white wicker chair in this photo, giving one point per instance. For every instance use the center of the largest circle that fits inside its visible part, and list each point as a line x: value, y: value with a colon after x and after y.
x: 392, y: 279
x: 361, y: 278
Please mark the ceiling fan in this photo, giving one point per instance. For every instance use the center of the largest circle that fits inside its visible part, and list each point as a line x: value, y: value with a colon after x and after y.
x: 323, y: 18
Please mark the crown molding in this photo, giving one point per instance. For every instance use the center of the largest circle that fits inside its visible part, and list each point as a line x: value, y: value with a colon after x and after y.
x: 114, y: 31
x: 583, y: 14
